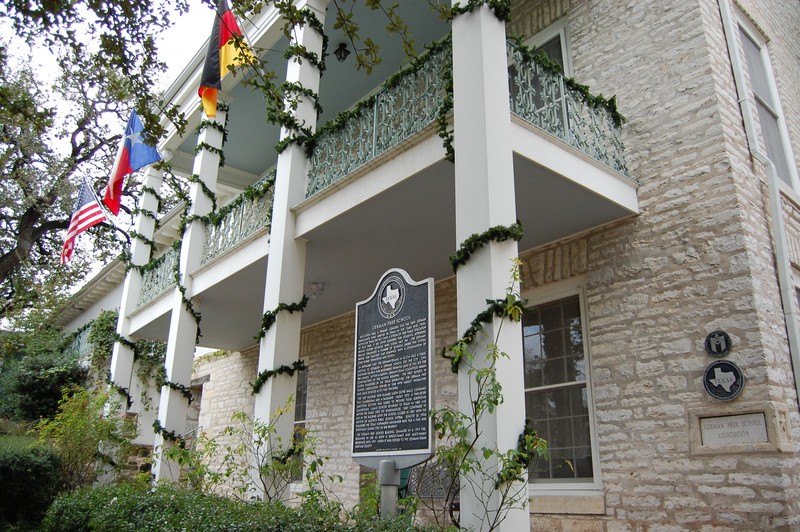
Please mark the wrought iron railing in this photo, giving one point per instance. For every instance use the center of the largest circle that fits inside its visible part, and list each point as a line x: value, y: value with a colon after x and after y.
x: 408, y: 105
x: 159, y: 278
x: 544, y: 99
x: 250, y: 214
x: 538, y: 96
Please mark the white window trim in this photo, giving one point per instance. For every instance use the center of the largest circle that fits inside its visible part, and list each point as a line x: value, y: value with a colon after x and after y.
x: 546, y: 294
x: 558, y: 28
x: 749, y: 123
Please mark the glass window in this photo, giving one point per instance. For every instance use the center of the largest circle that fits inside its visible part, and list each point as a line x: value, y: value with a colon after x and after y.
x: 556, y: 394
x: 766, y: 104
x: 300, y: 399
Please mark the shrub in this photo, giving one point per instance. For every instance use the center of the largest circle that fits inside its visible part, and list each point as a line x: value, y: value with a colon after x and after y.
x: 31, y: 479
x: 85, y: 438
x: 32, y: 386
x: 168, y: 508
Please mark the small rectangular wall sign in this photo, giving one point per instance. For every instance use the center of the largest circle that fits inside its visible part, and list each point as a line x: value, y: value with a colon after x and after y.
x: 735, y: 429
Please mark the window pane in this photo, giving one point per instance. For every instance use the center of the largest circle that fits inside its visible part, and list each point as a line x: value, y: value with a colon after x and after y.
x: 300, y: 395
x: 773, y: 141
x: 534, y: 360
x: 756, y: 68
x: 553, y: 50
x: 553, y: 344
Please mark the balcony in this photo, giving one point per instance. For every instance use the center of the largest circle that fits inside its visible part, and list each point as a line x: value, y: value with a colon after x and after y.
x: 380, y: 194
x: 410, y: 103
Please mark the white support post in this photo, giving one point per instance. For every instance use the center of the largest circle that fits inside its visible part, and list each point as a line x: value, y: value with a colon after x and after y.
x: 173, y: 406
x: 485, y: 198
x: 287, y: 255
x: 122, y: 358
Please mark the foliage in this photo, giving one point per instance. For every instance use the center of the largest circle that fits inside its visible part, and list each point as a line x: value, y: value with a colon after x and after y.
x: 248, y: 458
x: 169, y: 508
x: 31, y: 479
x: 101, y: 338
x: 487, y: 471
x: 264, y: 376
x: 86, y: 437
x: 122, y: 37
x: 51, y: 138
x: 31, y: 385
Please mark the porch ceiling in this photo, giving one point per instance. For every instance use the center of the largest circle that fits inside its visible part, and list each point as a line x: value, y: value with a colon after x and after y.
x: 410, y: 226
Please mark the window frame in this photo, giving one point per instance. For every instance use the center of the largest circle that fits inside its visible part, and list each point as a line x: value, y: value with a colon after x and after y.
x: 547, y: 294
x: 746, y: 27
x: 556, y: 29
x: 300, y: 423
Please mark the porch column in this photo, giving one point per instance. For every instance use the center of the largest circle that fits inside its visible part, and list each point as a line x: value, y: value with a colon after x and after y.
x: 484, y: 182
x: 181, y: 340
x: 286, y: 262
x: 122, y: 358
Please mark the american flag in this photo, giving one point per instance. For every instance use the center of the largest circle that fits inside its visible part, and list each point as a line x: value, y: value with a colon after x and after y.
x: 87, y: 213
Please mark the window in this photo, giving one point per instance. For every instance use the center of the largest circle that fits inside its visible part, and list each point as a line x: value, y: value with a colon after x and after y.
x: 557, y: 392
x: 764, y: 96
x: 554, y: 42
x: 300, y: 399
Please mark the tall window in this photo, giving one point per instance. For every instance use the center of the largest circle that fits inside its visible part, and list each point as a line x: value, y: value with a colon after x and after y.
x: 767, y: 106
x: 557, y: 398
x: 300, y: 399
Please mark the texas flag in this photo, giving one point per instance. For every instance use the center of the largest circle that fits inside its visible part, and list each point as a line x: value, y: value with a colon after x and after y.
x: 133, y: 154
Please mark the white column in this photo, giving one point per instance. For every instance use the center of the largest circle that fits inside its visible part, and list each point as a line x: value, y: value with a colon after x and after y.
x: 122, y: 358
x: 286, y: 263
x: 173, y: 406
x: 485, y: 198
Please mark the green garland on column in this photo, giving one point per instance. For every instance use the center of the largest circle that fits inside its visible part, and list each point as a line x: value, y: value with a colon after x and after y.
x: 510, y: 307
x: 169, y: 435
x: 270, y: 316
x: 498, y: 233
x: 264, y: 376
x: 500, y: 8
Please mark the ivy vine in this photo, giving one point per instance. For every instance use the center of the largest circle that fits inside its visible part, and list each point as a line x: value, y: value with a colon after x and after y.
x: 264, y: 376
x: 510, y: 307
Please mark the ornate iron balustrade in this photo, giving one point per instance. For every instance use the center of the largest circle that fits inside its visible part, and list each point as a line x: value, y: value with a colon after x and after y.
x: 544, y: 99
x: 158, y: 279
x: 394, y: 114
x: 249, y: 214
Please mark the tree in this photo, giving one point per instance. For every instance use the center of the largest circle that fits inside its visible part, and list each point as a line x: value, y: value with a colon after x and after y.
x: 51, y: 138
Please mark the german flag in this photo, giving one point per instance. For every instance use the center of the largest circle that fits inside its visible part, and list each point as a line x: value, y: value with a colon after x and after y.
x: 221, y: 54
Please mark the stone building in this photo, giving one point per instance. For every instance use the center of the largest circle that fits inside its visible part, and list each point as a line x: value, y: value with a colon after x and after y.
x: 660, y: 253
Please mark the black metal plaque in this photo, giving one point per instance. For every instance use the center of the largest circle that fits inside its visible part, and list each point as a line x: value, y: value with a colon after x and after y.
x: 392, y: 378
x: 718, y: 344
x: 723, y: 380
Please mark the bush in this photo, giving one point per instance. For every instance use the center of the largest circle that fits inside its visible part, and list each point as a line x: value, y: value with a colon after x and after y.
x: 31, y: 387
x: 168, y: 508
x: 31, y: 479
x: 86, y: 437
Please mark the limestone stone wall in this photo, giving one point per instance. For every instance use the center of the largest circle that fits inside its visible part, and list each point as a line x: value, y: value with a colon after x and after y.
x: 697, y: 258
x: 225, y: 379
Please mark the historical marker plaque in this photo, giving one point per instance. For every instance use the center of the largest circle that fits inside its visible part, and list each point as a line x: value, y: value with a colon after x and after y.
x: 393, y: 369
x: 723, y: 380
x: 734, y: 429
